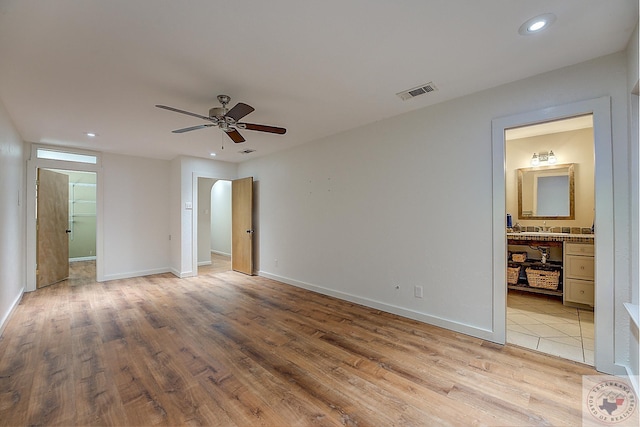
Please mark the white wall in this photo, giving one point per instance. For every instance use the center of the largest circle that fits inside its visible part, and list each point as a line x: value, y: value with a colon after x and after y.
x: 408, y: 201
x: 221, y: 217
x: 136, y: 216
x: 175, y: 216
x: 12, y: 216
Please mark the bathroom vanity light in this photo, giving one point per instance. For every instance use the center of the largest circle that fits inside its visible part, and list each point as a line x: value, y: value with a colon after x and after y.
x: 544, y: 157
x: 535, y: 161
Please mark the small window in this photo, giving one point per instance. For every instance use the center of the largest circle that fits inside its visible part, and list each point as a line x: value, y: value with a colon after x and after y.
x: 67, y: 157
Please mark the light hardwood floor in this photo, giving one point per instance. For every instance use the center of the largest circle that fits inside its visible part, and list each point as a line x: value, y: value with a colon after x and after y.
x: 225, y: 349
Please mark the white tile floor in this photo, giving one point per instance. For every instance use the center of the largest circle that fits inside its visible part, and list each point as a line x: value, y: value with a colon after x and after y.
x: 543, y: 323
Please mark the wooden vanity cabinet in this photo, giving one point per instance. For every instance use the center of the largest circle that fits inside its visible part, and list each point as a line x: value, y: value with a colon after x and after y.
x: 579, y: 278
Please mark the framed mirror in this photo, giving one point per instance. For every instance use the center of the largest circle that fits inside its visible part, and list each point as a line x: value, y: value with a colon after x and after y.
x: 547, y: 192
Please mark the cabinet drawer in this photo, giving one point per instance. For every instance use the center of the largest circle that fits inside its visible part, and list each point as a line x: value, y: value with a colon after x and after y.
x: 580, y: 291
x: 578, y: 249
x: 579, y: 267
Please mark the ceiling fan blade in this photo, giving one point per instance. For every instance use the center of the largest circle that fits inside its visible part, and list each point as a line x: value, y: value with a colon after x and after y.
x: 264, y: 128
x: 183, y: 130
x: 183, y: 112
x: 235, y: 136
x: 239, y: 111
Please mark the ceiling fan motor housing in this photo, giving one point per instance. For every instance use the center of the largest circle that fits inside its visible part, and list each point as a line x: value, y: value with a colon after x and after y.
x: 218, y: 112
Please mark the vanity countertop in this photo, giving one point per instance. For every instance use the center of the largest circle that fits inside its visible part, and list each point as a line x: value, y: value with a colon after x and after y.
x: 551, y: 237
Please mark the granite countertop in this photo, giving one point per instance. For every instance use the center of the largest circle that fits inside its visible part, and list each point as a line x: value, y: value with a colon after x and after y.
x: 552, y: 237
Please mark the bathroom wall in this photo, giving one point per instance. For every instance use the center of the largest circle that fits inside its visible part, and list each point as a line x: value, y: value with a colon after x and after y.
x: 575, y: 147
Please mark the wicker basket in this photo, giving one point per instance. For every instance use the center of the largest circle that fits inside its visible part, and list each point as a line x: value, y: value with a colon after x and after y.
x: 513, y: 274
x: 545, y: 279
x: 519, y: 256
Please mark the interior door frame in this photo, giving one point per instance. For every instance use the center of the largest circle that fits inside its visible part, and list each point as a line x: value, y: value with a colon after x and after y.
x: 33, y: 164
x: 604, y: 241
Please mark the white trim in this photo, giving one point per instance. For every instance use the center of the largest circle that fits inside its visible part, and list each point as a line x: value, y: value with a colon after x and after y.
x: 14, y: 306
x: 604, y: 240
x: 634, y: 313
x: 410, y: 314
x: 634, y: 380
x: 201, y: 263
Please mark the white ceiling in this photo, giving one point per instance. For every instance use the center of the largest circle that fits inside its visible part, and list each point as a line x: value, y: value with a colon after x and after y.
x: 315, y: 67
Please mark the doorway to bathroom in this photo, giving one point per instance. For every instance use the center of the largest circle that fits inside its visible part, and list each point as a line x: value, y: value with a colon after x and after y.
x: 550, y: 207
x: 603, y: 247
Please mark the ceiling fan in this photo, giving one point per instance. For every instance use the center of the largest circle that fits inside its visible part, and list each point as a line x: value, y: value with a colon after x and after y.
x: 226, y: 119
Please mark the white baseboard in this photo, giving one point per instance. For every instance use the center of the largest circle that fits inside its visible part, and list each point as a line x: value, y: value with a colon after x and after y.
x: 200, y: 264
x: 14, y: 305
x: 140, y: 273
x: 183, y: 274
x: 481, y: 333
x: 83, y: 258
x: 220, y: 253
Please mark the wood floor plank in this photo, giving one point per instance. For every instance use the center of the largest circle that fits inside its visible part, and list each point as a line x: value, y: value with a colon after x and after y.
x: 227, y: 349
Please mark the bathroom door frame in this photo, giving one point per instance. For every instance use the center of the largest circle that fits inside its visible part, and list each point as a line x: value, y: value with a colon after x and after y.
x: 604, y: 321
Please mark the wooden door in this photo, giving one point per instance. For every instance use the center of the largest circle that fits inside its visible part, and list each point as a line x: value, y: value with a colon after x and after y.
x: 242, y: 225
x: 52, y: 222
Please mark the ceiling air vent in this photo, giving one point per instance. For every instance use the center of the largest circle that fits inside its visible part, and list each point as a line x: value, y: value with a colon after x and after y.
x: 247, y: 151
x: 417, y: 91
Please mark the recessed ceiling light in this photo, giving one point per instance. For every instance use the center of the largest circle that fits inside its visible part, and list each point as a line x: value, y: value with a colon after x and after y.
x: 212, y: 154
x: 91, y: 134
x: 537, y: 24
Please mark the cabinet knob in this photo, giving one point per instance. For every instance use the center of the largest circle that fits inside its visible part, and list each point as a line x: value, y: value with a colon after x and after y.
x: 582, y: 292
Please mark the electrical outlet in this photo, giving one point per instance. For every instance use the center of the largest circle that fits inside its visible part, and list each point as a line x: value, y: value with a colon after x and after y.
x: 417, y: 291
